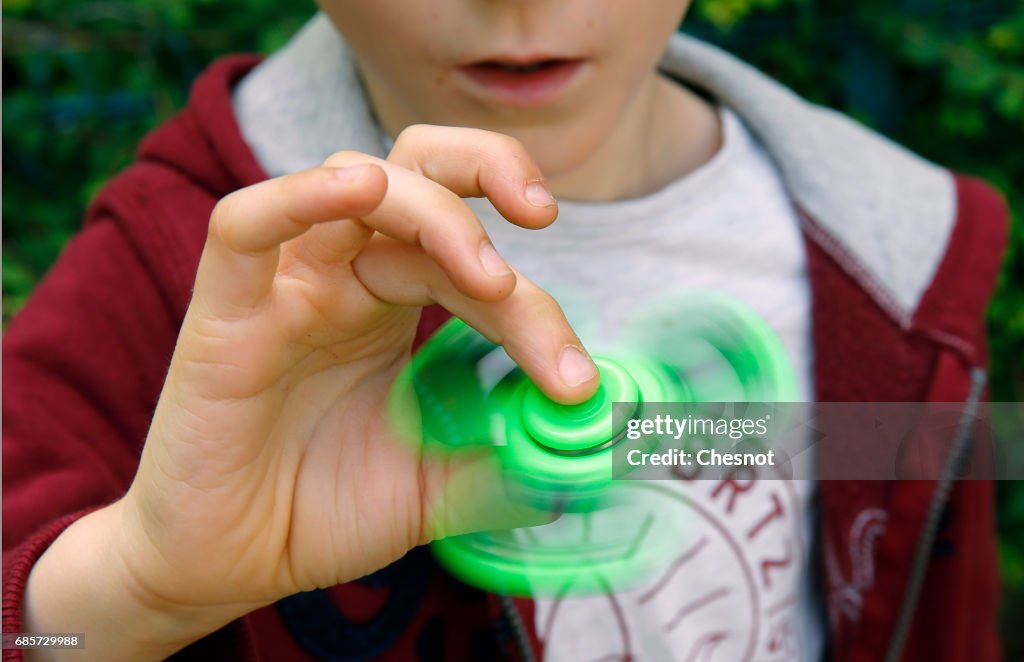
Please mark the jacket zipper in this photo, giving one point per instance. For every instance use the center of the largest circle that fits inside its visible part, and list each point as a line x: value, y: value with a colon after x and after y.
x: 958, y: 454
x: 518, y: 629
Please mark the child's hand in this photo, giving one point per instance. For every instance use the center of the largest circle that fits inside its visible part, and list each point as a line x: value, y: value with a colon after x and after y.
x: 269, y: 468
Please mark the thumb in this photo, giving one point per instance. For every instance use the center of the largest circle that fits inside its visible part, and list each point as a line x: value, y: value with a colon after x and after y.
x: 467, y: 491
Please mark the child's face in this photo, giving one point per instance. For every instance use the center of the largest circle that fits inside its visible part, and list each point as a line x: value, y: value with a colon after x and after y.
x: 559, y: 75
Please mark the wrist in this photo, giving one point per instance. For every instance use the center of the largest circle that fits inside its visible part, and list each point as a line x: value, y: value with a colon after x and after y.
x: 84, y: 583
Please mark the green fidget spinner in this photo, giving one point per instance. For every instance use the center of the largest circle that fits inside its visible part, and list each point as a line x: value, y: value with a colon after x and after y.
x: 460, y: 391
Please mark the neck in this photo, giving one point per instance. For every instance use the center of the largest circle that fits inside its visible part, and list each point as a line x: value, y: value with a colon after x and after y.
x: 666, y: 133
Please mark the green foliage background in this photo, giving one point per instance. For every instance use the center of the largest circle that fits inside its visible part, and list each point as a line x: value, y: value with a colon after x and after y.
x: 83, y: 80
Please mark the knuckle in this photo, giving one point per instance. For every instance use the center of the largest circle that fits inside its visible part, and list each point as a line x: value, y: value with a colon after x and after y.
x: 413, y: 134
x: 344, y: 157
x: 507, y: 143
x: 506, y: 157
x: 220, y: 219
x: 537, y: 300
x: 290, y: 187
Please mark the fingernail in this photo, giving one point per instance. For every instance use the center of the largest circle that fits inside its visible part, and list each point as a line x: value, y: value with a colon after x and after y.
x: 493, y: 264
x: 575, y: 367
x: 350, y: 173
x: 538, y: 195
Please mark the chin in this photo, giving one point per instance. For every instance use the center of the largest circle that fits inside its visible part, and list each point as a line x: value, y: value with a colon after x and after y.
x: 558, y: 152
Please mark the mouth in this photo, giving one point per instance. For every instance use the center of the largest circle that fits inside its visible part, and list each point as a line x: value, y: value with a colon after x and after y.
x: 527, y: 82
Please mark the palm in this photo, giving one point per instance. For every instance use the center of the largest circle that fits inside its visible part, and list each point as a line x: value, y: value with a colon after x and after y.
x: 320, y: 444
x: 357, y: 503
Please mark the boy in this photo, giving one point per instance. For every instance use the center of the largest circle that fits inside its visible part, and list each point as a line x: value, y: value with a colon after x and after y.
x: 287, y: 305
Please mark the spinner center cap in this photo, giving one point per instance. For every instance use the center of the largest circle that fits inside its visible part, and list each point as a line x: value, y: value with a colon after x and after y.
x: 582, y: 427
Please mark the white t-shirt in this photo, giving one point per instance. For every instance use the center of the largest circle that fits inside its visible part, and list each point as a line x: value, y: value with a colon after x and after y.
x: 741, y: 586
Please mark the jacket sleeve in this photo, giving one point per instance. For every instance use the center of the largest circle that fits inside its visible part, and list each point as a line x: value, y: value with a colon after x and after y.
x: 83, y: 365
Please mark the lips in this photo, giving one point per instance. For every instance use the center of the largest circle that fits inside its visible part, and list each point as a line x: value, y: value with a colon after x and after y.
x: 531, y: 82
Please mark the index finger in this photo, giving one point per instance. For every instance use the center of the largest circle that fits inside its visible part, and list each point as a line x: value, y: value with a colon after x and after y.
x: 475, y: 163
x: 247, y: 227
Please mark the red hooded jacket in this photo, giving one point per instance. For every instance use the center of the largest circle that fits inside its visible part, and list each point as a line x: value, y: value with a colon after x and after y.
x: 908, y: 568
